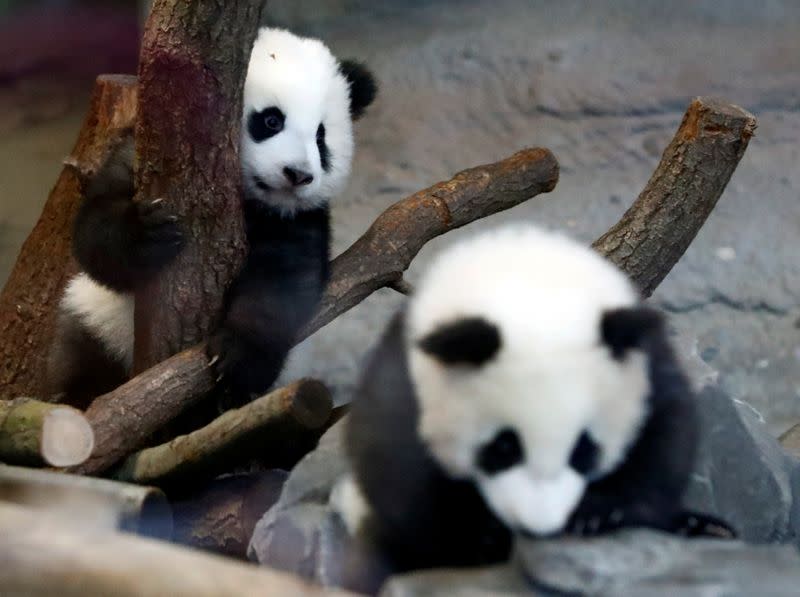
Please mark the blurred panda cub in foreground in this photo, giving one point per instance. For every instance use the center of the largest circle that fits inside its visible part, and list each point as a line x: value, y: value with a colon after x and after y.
x: 296, y: 151
x: 524, y: 389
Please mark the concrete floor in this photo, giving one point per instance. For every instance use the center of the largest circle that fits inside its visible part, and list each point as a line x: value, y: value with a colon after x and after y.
x: 604, y: 85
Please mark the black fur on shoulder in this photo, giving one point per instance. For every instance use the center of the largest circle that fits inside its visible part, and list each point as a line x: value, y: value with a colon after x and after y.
x: 647, y: 488
x: 363, y: 87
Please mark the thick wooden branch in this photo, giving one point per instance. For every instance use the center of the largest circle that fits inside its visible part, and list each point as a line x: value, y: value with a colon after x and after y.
x: 28, y: 301
x: 125, y: 418
x: 694, y: 170
x: 97, y: 503
x: 386, y: 250
x: 282, y: 422
x: 191, y: 75
x: 34, y: 433
x: 43, y: 554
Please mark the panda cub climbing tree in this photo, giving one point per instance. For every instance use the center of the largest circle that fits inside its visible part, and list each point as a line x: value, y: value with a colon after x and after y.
x: 524, y: 390
x: 296, y: 152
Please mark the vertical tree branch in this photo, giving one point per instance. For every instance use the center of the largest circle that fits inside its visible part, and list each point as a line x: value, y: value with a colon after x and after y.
x: 694, y: 170
x: 28, y: 301
x: 191, y: 75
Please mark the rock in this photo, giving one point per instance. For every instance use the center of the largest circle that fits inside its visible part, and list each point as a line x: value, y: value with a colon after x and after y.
x: 640, y: 562
x: 742, y: 473
x: 507, y: 581
x: 303, y: 534
x: 632, y: 563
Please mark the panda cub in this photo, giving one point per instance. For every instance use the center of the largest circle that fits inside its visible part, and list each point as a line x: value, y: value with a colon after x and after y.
x: 524, y: 389
x: 296, y: 151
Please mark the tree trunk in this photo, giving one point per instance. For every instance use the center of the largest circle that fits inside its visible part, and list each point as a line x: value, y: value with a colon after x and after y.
x: 30, y: 297
x: 191, y: 76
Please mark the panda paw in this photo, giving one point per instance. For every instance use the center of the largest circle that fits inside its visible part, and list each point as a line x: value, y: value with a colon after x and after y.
x: 240, y: 366
x: 694, y: 524
x: 158, y: 236
x: 596, y: 524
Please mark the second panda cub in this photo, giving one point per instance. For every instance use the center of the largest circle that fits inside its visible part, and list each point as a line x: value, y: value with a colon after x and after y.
x: 296, y: 151
x: 525, y: 389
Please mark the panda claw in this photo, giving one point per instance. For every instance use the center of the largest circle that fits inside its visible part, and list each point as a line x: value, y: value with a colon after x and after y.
x: 156, y: 201
x: 213, y: 360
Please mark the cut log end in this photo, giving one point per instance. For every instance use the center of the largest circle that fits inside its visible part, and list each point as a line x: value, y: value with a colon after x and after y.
x: 67, y: 437
x: 312, y: 404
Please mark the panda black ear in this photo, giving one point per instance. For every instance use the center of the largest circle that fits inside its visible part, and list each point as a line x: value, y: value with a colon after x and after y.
x: 363, y: 87
x: 468, y: 341
x: 627, y: 328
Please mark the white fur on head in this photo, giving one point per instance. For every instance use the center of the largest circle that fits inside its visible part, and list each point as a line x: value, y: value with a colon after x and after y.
x: 108, y: 315
x: 551, y: 378
x: 300, y: 77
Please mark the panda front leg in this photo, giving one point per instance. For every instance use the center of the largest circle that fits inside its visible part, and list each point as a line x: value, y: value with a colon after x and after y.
x: 121, y: 243
x: 262, y: 320
x: 647, y: 488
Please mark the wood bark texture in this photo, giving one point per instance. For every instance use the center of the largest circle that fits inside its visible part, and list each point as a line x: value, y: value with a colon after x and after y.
x: 42, y: 551
x: 30, y: 297
x: 192, y: 69
x: 284, y: 421
x: 97, y: 503
x: 127, y: 417
x: 694, y: 170
x: 222, y: 516
x: 34, y: 433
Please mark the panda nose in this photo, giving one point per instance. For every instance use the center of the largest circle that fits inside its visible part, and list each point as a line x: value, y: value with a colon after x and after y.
x: 296, y: 177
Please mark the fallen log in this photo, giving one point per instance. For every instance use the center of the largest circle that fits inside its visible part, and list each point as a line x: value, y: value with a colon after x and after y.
x: 43, y: 554
x: 281, y: 427
x: 694, y: 170
x: 34, y: 433
x: 92, y: 502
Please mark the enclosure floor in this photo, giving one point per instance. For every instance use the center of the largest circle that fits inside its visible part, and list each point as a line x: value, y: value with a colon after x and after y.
x: 604, y: 85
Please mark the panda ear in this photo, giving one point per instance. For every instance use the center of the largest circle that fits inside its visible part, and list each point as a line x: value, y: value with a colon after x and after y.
x: 468, y: 341
x: 628, y: 328
x: 363, y: 87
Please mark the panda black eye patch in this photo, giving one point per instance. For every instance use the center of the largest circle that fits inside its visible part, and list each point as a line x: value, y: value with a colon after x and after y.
x: 585, y: 454
x: 501, y: 453
x: 324, y: 151
x: 265, y: 124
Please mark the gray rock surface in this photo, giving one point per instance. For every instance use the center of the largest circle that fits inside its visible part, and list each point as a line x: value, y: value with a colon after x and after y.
x: 301, y: 533
x: 742, y: 473
x: 631, y: 564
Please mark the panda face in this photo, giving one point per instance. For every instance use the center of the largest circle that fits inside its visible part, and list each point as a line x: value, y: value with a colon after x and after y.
x: 297, y: 137
x: 521, y: 351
